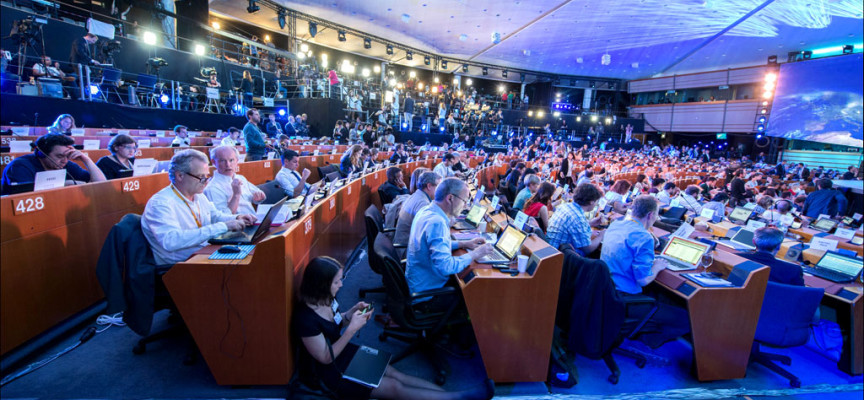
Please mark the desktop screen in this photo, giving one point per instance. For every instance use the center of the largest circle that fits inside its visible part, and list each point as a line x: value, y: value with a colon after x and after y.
x: 819, y: 100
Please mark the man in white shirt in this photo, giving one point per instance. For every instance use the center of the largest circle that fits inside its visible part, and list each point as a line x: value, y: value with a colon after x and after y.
x: 233, y: 138
x: 178, y: 220
x: 230, y: 192
x: 292, y: 182
x: 444, y: 169
x: 689, y: 201
x: 420, y: 198
x: 181, y: 136
x: 665, y: 196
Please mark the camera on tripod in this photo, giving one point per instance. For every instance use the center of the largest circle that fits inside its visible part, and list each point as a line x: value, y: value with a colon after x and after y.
x: 26, y: 30
x: 157, y: 62
x: 109, y: 49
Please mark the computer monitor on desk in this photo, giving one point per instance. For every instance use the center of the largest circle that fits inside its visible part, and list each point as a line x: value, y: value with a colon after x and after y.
x: 824, y: 225
x: 740, y: 215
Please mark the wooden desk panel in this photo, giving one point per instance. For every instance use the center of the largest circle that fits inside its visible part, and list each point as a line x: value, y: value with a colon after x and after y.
x: 807, y: 235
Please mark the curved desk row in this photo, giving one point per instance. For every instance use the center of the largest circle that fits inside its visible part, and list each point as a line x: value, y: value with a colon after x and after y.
x: 51, y: 240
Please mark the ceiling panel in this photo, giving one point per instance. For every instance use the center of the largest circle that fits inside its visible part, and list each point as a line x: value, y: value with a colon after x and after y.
x: 642, y: 37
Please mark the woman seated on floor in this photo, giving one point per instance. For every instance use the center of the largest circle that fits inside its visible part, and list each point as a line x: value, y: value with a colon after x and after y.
x: 318, y: 323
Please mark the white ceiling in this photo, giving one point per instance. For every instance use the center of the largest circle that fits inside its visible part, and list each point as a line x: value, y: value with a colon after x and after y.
x: 643, y: 37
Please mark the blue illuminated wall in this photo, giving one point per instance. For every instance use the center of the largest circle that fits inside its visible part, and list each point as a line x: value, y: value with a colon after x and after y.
x: 820, y: 101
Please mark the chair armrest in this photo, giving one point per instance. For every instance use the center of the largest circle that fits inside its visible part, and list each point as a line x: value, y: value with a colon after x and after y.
x: 447, y: 290
x: 400, y: 245
x: 386, y: 230
x: 638, y: 300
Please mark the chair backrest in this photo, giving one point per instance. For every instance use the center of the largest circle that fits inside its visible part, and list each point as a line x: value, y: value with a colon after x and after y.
x: 333, y: 176
x: 396, y: 286
x: 382, y: 194
x: 146, y: 81
x: 273, y: 191
x: 374, y: 226
x: 110, y: 75
x: 787, y: 311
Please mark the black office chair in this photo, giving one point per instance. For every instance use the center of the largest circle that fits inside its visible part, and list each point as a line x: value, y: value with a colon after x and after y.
x: 421, y: 330
x: 374, y: 226
x: 273, y: 191
x: 385, y: 198
x: 787, y: 311
x: 333, y: 176
x: 110, y: 80
x: 146, y: 90
x: 126, y: 269
x: 593, y: 318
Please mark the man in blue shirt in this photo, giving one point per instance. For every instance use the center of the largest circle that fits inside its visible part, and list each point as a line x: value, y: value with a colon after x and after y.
x: 430, y: 250
x: 628, y: 251
x: 532, y: 183
x: 255, y: 145
x: 826, y: 201
x: 569, y: 225
x: 53, y: 152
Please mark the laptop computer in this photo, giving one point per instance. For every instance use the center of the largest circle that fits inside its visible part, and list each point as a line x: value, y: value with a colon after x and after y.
x: 683, y: 254
x: 836, y: 267
x: 506, y: 248
x: 740, y: 215
x: 162, y: 166
x: 743, y: 240
x: 252, y: 234
x: 824, y: 225
x: 472, y: 220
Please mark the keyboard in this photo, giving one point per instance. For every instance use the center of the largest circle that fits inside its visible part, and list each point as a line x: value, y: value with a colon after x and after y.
x: 827, y: 274
x: 463, y: 225
x: 676, y: 265
x: 494, y: 257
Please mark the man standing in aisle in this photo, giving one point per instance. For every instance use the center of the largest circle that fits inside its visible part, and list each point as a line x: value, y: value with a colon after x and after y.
x: 255, y: 144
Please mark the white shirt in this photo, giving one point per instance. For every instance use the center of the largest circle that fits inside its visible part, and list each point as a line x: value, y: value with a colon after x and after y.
x: 227, y: 141
x: 664, y: 198
x: 443, y: 170
x: 170, y: 227
x: 182, y: 142
x: 690, y: 203
x: 288, y: 180
x: 219, y: 192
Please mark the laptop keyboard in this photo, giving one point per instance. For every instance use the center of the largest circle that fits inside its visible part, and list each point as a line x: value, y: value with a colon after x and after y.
x: 495, y: 256
x: 827, y: 274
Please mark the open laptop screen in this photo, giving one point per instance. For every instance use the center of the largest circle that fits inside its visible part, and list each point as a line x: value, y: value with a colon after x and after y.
x: 850, y: 266
x: 510, y: 241
x: 824, y: 224
x: 685, y: 250
x: 744, y: 236
x: 740, y: 214
x: 476, y: 214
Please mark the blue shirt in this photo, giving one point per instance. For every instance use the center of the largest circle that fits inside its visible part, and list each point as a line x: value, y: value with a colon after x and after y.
x: 521, y: 198
x: 628, y: 251
x: 568, y: 225
x: 254, y: 139
x: 824, y: 201
x: 23, y: 170
x: 430, y: 251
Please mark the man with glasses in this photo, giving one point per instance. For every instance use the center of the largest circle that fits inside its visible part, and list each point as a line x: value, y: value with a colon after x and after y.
x: 52, y: 152
x: 430, y: 250
x: 178, y: 220
x: 229, y: 191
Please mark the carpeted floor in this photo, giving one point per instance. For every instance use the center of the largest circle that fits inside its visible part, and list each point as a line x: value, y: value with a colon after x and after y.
x: 105, y: 368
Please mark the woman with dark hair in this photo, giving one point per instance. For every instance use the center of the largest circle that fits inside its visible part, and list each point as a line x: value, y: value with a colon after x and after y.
x: 246, y: 87
x: 122, y: 158
x: 63, y: 125
x: 639, y: 186
x: 326, y: 351
x: 538, y: 205
x: 615, y: 196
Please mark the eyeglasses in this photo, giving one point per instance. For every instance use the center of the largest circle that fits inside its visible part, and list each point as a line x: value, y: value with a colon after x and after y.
x: 129, y: 147
x: 201, y: 179
x: 463, y: 200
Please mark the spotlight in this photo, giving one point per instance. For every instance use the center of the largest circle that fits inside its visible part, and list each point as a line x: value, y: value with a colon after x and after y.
x: 770, y: 77
x: 443, y: 64
x: 164, y: 99
x: 760, y: 128
x: 485, y: 71
x: 807, y: 54
x: 409, y: 55
x: 530, y: 113
x: 304, y: 47
x: 404, y: 126
x: 253, y: 8
x: 342, y: 36
x: 556, y: 114
x: 367, y: 43
x: 280, y: 17
x: 772, y: 59
x: 199, y: 49
x: 504, y: 73
x: 764, y: 111
x: 366, y: 72
x: 282, y: 112
x: 419, y: 85
x: 389, y: 50
x: 759, y: 136
x: 593, y: 118
x: 578, y: 119
x: 266, y: 38
x: 313, y: 29
x: 412, y: 74
x: 848, y: 49
x: 437, y: 80
x: 94, y: 90
x: 216, y: 25
x: 762, y: 119
x: 149, y: 37
x: 434, y: 89
x: 377, y: 69
x: 765, y: 103
x: 608, y: 120
x: 500, y: 88
x: 767, y: 95
x: 441, y: 129
x: 427, y: 60
x: 469, y: 82
x: 465, y: 68
x: 539, y: 114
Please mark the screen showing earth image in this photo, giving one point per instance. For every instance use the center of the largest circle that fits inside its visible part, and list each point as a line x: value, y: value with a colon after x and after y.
x: 820, y: 101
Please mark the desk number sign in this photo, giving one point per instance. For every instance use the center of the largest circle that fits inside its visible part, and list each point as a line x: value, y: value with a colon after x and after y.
x: 28, y: 205
x: 520, y: 220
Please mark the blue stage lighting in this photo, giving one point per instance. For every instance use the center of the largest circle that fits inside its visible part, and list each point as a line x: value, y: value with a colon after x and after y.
x: 282, y: 112
x: 164, y: 99
x: 762, y: 119
x: 759, y: 136
x: 404, y: 125
x: 760, y: 128
x: 441, y: 129
x: 423, y: 127
x: 94, y: 90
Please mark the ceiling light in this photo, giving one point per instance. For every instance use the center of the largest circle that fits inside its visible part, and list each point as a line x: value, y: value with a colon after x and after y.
x: 149, y: 37
x: 406, y: 18
x: 341, y: 36
x: 469, y: 82
x: 579, y: 60
x: 412, y: 74
x: 485, y: 71
x: 427, y: 60
x: 606, y: 59
x: 539, y: 114
x: 367, y: 43
x: 465, y: 68
x: 366, y: 72
x: 463, y: 37
x: 304, y: 47
x: 377, y: 69
x: 419, y: 85
x: 504, y: 73
x: 252, y: 8
x: 437, y: 80
x: 443, y: 64
x: 389, y: 50
x: 409, y: 55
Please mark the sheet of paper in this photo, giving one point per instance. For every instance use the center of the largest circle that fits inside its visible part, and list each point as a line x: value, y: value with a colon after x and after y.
x: 77, y: 131
x: 144, y: 144
x: 20, y: 146
x: 50, y: 180
x: 143, y: 166
x: 91, y: 144
x: 823, y: 244
x: 787, y: 219
x: 280, y: 218
x: 754, y: 224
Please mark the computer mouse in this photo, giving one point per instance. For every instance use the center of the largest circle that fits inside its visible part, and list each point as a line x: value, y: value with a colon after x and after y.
x: 228, y: 249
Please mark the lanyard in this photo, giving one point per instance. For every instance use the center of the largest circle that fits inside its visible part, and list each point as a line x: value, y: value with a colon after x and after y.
x: 195, y: 216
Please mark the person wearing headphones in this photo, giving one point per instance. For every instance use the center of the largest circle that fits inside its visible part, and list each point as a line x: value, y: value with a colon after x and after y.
x: 53, y: 152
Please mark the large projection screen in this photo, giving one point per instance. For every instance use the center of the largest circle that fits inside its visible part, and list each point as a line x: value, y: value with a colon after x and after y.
x: 820, y: 101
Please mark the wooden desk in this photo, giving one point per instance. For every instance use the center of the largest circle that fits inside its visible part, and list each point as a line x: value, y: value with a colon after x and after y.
x: 513, y: 317
x: 807, y: 235
x: 255, y: 348
x: 722, y: 320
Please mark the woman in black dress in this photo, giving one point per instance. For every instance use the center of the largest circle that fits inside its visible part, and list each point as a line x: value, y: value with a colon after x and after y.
x: 318, y: 324
x: 119, y: 164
